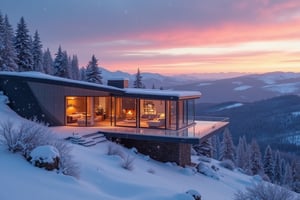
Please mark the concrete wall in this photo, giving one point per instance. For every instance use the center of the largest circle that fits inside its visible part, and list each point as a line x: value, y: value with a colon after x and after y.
x: 162, y: 151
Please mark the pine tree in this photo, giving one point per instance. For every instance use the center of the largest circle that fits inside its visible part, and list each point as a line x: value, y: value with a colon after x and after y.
x: 75, y: 68
x: 277, y: 168
x: 227, y: 151
x: 268, y: 163
x: 296, y: 176
x: 61, y: 64
x: 93, y: 73
x: 255, y: 158
x: 47, y: 62
x: 283, y: 168
x: 248, y: 165
x: 82, y: 73
x: 204, y: 148
x: 215, y: 143
x: 23, y: 47
x: 8, y: 56
x: 138, y: 80
x: 240, y: 153
x: 2, y: 33
x: 37, y: 53
x: 288, y: 176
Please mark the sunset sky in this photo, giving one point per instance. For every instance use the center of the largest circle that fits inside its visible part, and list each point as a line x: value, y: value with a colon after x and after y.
x: 169, y: 36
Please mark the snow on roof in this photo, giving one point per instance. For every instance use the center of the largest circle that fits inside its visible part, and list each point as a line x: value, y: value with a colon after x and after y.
x: 158, y: 92
x: 136, y: 91
x: 39, y: 75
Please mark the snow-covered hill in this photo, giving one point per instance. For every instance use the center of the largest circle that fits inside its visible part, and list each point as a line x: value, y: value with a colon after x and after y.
x: 103, y: 177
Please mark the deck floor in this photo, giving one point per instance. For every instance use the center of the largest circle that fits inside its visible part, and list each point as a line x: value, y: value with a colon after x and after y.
x: 192, y: 134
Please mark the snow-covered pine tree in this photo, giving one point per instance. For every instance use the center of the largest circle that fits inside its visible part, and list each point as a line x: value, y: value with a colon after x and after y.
x: 241, y: 151
x: 61, y: 64
x: 37, y: 53
x: 255, y: 158
x: 227, y: 149
x: 296, y: 175
x: 93, y: 73
x: 2, y: 32
x: 23, y: 47
x: 75, y: 68
x: 282, y: 173
x: 82, y: 74
x: 215, y: 143
x: 47, y: 62
x: 7, y: 50
x: 268, y: 163
x: 138, y: 80
x: 204, y: 148
x: 288, y: 176
x: 277, y: 168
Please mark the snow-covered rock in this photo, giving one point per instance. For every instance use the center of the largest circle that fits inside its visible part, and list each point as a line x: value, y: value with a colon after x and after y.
x: 207, y: 171
x: 45, y: 156
x: 196, y: 195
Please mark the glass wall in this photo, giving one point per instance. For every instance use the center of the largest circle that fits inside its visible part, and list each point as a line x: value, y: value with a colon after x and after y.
x: 88, y: 111
x: 152, y: 113
x: 191, y: 111
x: 129, y: 112
x: 171, y: 115
x: 126, y: 113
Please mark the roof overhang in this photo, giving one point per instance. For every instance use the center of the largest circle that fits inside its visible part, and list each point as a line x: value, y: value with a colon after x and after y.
x: 53, y: 80
x: 161, y: 94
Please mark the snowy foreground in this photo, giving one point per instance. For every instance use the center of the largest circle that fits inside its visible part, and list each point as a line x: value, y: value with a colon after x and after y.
x: 103, y: 177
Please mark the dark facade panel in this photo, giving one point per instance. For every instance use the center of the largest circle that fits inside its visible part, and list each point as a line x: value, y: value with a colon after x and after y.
x: 54, y: 104
x: 23, y: 101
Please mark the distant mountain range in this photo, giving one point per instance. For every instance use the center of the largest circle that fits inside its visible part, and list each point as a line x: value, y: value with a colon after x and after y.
x: 167, y: 82
x: 274, y: 121
x: 221, y: 87
x: 248, y: 88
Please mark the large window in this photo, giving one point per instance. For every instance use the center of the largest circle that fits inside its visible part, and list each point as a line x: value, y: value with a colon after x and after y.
x: 126, y: 113
x: 88, y: 111
x: 152, y: 113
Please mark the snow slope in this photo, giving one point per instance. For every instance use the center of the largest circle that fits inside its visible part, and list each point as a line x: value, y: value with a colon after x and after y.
x: 102, y: 176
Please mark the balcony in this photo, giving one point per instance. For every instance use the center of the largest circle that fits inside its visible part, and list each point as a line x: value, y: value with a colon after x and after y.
x: 203, y: 128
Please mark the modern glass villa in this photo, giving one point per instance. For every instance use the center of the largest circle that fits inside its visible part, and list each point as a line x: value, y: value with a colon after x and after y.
x: 60, y: 101
x: 120, y: 112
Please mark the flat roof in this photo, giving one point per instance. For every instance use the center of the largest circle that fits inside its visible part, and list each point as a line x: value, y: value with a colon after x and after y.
x: 55, y: 80
x: 162, y: 94
x: 129, y: 92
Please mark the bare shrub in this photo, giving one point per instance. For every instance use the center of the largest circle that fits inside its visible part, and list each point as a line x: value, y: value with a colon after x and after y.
x: 115, y: 150
x: 9, y: 136
x: 265, y: 191
x: 24, y: 138
x: 128, y: 163
x: 30, y: 135
x: 228, y: 164
x: 67, y: 165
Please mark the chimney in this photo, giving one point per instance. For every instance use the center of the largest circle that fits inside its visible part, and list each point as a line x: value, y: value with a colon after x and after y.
x: 119, y: 83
